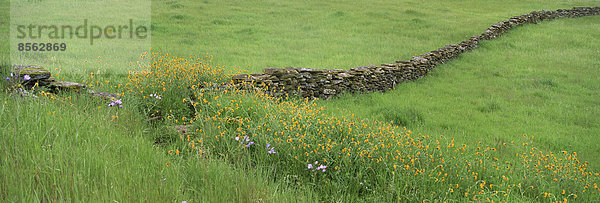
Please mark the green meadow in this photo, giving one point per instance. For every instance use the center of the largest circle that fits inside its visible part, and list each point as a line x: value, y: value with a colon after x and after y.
x: 515, y: 120
x: 325, y: 34
x: 539, y: 80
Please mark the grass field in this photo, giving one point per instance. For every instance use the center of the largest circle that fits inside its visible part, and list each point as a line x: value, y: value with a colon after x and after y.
x: 465, y: 121
x: 537, y: 80
x: 69, y: 150
x: 325, y: 34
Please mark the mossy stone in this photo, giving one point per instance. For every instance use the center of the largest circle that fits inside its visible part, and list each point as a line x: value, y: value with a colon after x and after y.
x: 35, y: 72
x: 67, y: 86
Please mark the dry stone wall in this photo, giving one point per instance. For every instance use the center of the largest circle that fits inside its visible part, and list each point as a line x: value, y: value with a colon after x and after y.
x: 324, y: 83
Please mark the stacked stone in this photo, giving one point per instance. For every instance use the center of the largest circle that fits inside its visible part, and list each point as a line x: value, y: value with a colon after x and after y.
x: 323, y: 83
x: 41, y: 77
x: 578, y: 12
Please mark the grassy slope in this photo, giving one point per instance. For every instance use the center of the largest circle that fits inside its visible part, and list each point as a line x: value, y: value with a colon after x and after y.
x: 547, y: 91
x: 325, y: 34
x: 538, y: 80
x: 52, y: 150
x: 74, y: 151
x: 242, y: 33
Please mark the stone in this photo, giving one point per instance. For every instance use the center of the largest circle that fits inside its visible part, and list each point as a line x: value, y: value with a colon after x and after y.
x: 329, y: 91
x: 240, y: 78
x: 35, y: 72
x: 66, y: 86
x: 46, y: 82
x: 345, y: 75
x: 104, y: 95
x: 272, y: 71
x: 291, y: 70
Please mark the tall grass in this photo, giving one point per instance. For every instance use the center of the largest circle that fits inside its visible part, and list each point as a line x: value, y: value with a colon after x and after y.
x: 70, y: 147
x: 527, y: 112
x: 345, y: 158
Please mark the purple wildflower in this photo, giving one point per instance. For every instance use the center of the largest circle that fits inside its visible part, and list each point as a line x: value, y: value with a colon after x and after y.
x: 321, y: 167
x: 26, y: 77
x: 272, y: 150
x: 250, y: 143
x: 244, y: 139
x: 237, y: 138
x: 7, y: 79
x: 310, y: 166
x: 115, y: 103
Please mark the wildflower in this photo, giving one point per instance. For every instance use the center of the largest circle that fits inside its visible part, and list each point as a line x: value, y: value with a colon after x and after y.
x: 7, y: 79
x: 244, y: 139
x: 310, y: 166
x: 118, y: 102
x: 272, y: 150
x: 322, y: 168
x: 155, y: 96
x: 26, y: 77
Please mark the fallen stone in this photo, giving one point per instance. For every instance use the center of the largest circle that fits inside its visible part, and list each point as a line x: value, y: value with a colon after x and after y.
x: 104, y: 95
x: 34, y: 72
x: 66, y: 86
x: 46, y: 82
